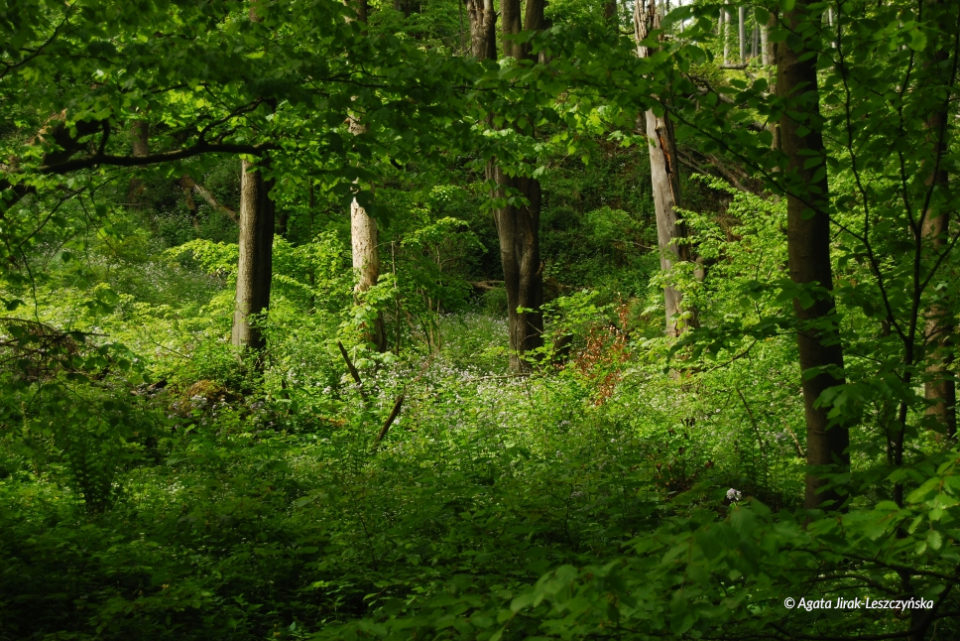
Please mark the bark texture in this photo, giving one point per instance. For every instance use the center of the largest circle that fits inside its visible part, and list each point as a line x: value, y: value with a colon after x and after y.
x: 665, y: 180
x: 255, y: 267
x: 483, y: 29
x: 518, y: 226
x: 366, y: 257
x: 808, y: 241
x: 518, y: 230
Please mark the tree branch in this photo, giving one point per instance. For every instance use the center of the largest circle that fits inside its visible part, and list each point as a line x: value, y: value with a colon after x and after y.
x: 190, y: 184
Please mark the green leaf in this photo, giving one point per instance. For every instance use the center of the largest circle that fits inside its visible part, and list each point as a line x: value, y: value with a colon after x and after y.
x: 918, y: 40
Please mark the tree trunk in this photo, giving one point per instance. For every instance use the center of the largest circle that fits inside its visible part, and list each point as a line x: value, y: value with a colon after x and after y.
x: 610, y: 15
x: 724, y: 33
x: 366, y: 266
x: 483, y: 29
x: 140, y: 143
x: 366, y: 257
x: 767, y: 46
x: 808, y: 241
x: 940, y: 387
x: 518, y: 232
x: 256, y: 255
x: 742, y: 32
x: 518, y: 226
x: 665, y: 179
x: 190, y: 186
x: 363, y: 228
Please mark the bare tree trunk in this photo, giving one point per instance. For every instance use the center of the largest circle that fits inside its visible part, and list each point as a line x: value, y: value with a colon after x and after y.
x: 255, y: 267
x: 363, y: 228
x: 665, y: 179
x: 725, y: 34
x: 767, y: 46
x: 366, y: 257
x: 742, y: 32
x: 808, y: 241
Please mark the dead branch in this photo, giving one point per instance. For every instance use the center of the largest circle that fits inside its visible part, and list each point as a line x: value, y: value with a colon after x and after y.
x: 390, y: 419
x: 189, y: 184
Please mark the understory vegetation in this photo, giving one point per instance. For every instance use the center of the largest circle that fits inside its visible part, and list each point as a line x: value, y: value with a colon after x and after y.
x: 156, y: 487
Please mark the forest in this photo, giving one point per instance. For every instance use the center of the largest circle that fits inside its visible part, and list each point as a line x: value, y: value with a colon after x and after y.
x: 479, y: 320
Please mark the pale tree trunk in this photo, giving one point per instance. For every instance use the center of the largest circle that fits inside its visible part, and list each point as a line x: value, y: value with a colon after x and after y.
x: 767, y: 46
x: 724, y: 32
x: 255, y: 266
x: 363, y: 228
x: 940, y: 387
x: 666, y: 188
x: 808, y: 243
x: 742, y: 32
x: 366, y: 257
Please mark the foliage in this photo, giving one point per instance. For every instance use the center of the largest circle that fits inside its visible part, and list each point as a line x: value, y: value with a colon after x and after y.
x: 157, y: 486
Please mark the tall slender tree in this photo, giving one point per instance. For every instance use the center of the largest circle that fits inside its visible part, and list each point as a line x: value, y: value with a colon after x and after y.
x: 940, y: 387
x: 255, y: 268
x: 808, y: 241
x: 364, y: 237
x: 664, y: 176
x: 518, y: 225
x: 255, y: 242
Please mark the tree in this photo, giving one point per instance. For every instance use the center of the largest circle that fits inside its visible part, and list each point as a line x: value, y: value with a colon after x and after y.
x: 808, y: 241
x: 254, y: 271
x: 517, y: 212
x: 664, y: 175
x: 940, y: 388
x: 518, y: 220
x: 366, y: 257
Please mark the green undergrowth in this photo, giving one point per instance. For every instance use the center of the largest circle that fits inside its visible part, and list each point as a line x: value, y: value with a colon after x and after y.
x: 157, y: 485
x: 586, y: 501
